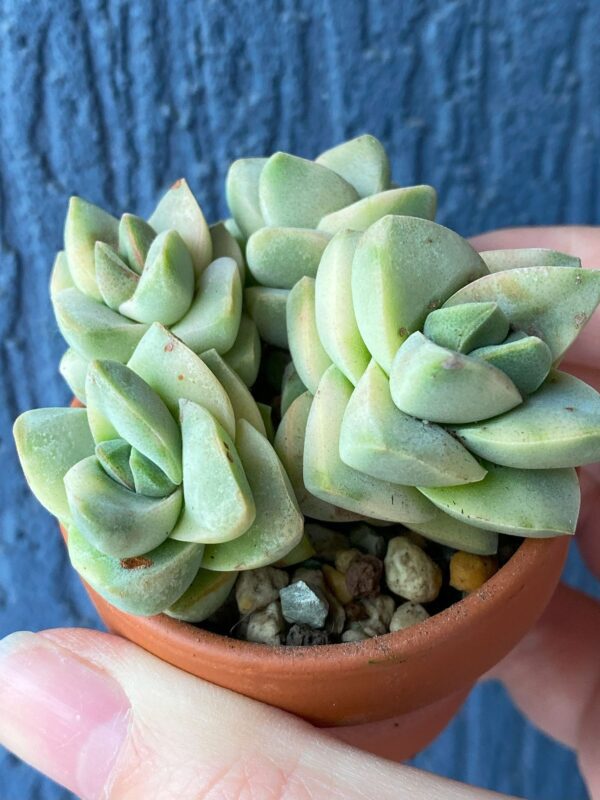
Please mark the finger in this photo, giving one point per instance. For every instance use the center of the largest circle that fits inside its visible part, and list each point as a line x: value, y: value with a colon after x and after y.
x: 553, y: 676
x: 577, y: 240
x: 108, y: 720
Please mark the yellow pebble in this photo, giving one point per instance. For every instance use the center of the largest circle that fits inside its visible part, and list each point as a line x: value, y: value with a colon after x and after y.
x: 337, y: 583
x: 468, y: 571
x: 343, y: 558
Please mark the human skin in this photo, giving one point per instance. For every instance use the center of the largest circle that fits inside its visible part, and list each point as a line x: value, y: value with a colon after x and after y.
x: 108, y: 720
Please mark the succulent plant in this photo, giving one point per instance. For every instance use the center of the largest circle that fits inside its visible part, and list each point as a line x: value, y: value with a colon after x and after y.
x: 418, y: 382
x: 116, y: 277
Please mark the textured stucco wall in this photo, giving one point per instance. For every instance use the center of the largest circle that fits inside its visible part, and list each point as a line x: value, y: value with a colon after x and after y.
x: 495, y: 103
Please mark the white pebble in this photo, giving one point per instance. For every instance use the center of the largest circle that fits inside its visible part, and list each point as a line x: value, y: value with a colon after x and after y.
x: 256, y: 588
x: 266, y: 626
x: 406, y: 615
x: 410, y: 572
x: 380, y: 610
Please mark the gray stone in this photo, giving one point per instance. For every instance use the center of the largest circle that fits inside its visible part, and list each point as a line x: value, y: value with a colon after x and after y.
x: 365, y: 538
x: 304, y: 603
x: 305, y: 636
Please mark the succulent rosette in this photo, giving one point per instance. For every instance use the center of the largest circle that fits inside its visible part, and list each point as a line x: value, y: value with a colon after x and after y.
x: 115, y: 277
x: 165, y: 482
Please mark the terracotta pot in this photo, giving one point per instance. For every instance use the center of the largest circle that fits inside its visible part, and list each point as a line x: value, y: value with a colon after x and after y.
x: 417, y: 677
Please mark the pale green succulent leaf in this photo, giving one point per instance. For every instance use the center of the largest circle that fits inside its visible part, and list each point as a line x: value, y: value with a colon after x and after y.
x: 433, y: 383
x: 378, y: 439
x: 136, y: 413
x: 49, y: 442
x: 166, y: 288
x: 241, y: 189
x: 225, y: 245
x: 176, y: 373
x: 115, y: 520
x: 278, y: 526
x: 289, y: 445
x: 500, y: 260
x: 308, y: 354
x: 297, y: 193
x: 412, y: 201
x: 115, y: 280
x: 178, y: 210
x: 403, y: 268
x: 208, y: 592
x: 244, y: 355
x: 454, y: 533
x: 243, y: 404
x: 465, y: 327
x: 552, y: 303
x: 362, y: 162
x: 522, y: 502
x: 267, y: 308
x: 86, y: 224
x: 94, y: 330
x: 234, y: 229
x: 143, y: 585
x: 135, y: 238
x: 73, y: 368
x: 218, y: 500
x: 266, y: 412
x: 326, y: 475
x: 334, y: 312
x: 557, y: 426
x: 525, y: 359
x: 148, y: 479
x: 291, y: 387
x: 60, y: 277
x: 113, y: 456
x: 303, y: 550
x: 214, y: 317
x: 279, y: 257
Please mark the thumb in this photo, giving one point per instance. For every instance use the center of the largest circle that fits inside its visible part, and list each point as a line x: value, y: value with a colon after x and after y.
x: 107, y: 720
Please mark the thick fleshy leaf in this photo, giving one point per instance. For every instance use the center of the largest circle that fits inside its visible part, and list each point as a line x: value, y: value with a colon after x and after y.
x: 266, y: 412
x: 85, y: 225
x: 289, y: 445
x: 73, y: 368
x: 241, y: 188
x: 500, y: 260
x: 243, y: 404
x: 176, y: 373
x: 113, y: 456
x: 214, y: 318
x: 553, y: 303
x: 166, y: 288
x: 233, y: 228
x: 433, y: 383
x: 148, y: 479
x: 557, y: 426
x: 218, y: 501
x: 297, y: 193
x: 244, y: 356
x: 94, y: 330
x: 135, y: 412
x: 540, y: 503
x: 278, y: 526
x: 224, y: 245
x: 297, y: 554
x: 60, y: 277
x: 279, y: 257
x: 404, y: 268
x: 309, y: 357
x: 326, y: 475
x: 135, y: 238
x: 206, y: 595
x: 451, y: 532
x: 334, y: 312
x: 291, y: 387
x: 413, y: 201
x: 465, y: 327
x: 49, y: 441
x: 525, y: 359
x: 362, y: 162
x: 115, y: 280
x: 267, y: 307
x: 378, y: 439
x: 178, y: 210
x: 114, y: 519
x: 145, y: 584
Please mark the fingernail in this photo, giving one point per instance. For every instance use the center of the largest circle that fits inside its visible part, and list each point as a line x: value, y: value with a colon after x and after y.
x: 63, y: 715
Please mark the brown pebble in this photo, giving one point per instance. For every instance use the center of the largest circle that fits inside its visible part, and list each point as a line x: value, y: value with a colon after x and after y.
x: 363, y: 577
x: 355, y: 611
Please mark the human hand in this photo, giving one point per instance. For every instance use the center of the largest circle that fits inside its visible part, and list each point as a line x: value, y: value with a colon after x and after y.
x: 108, y: 720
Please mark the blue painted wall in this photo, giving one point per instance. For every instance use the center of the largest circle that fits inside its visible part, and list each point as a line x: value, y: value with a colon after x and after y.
x: 495, y: 103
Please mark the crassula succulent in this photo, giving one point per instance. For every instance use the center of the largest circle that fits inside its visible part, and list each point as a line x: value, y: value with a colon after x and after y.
x: 420, y: 386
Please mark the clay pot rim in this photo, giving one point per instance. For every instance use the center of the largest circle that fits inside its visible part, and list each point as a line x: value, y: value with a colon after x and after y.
x: 404, y: 645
